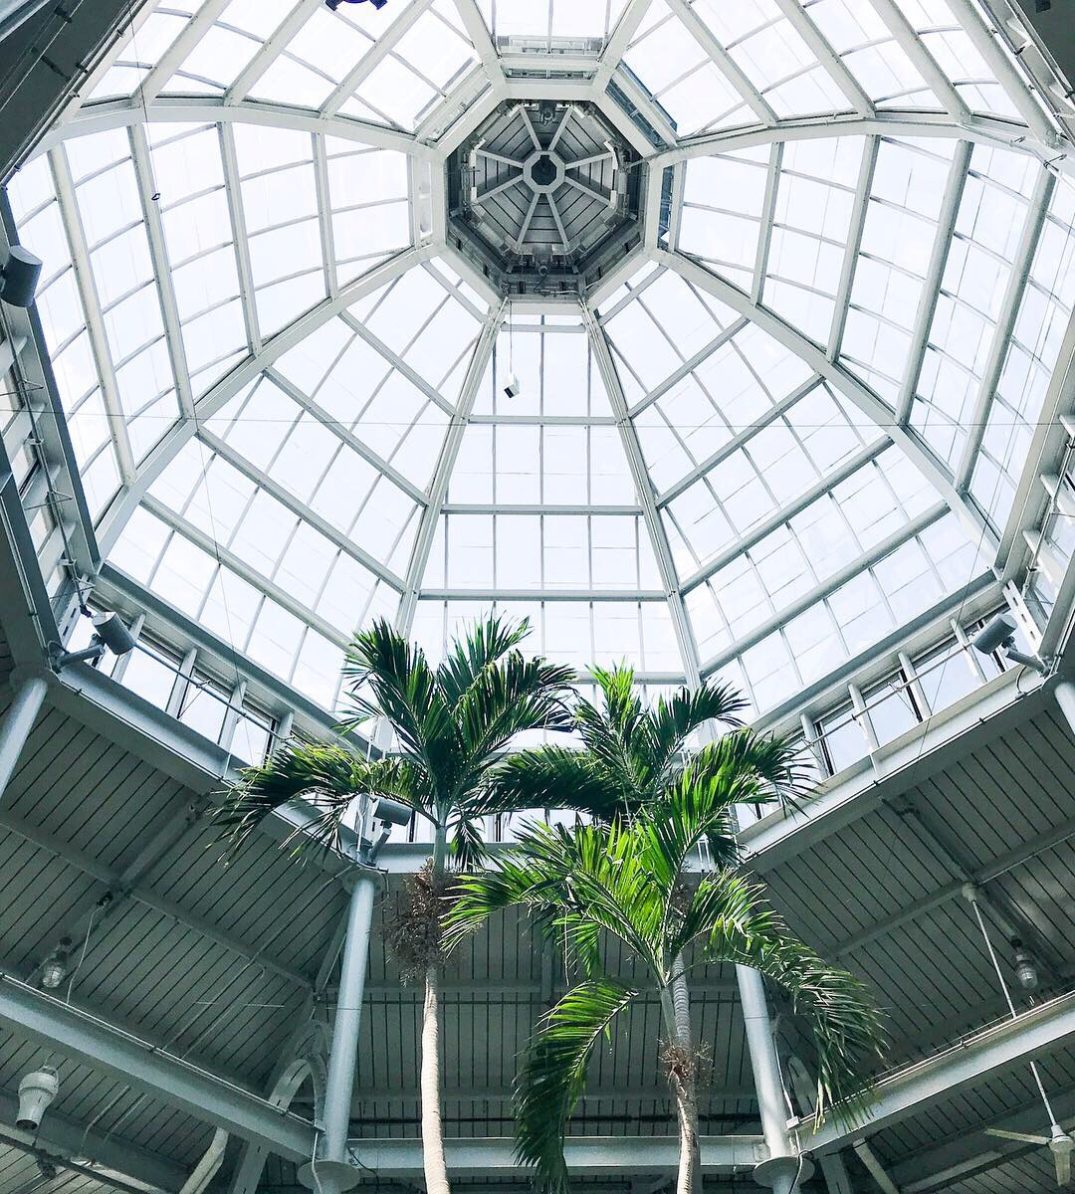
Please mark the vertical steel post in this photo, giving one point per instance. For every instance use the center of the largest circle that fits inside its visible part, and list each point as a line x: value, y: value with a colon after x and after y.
x: 17, y: 724
x: 781, y: 1171
x: 332, y: 1172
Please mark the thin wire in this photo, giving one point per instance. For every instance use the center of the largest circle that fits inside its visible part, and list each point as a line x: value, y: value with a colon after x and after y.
x: 82, y: 955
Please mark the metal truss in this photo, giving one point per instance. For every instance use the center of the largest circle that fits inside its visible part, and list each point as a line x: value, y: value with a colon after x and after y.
x: 636, y: 461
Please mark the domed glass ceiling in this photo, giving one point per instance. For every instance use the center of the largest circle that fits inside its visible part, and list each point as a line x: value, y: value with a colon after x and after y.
x: 787, y: 416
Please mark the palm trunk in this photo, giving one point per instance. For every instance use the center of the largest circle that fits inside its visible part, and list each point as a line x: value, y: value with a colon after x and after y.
x: 677, y: 1011
x: 436, y: 1170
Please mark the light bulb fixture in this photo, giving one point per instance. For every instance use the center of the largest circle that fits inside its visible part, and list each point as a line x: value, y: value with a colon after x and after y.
x: 512, y: 387
x: 334, y: 4
x: 998, y: 634
x: 110, y: 633
x: 1026, y: 971
x: 55, y: 967
x: 19, y: 276
x: 36, y: 1092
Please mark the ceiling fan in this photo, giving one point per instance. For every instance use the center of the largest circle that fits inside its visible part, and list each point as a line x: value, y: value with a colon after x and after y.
x: 1060, y: 1144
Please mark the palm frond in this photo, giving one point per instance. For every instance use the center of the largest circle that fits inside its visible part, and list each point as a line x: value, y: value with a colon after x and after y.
x: 405, y: 691
x: 554, y: 1074
x: 516, y: 695
x: 845, y: 1025
x: 551, y: 777
x: 484, y: 644
x: 672, y: 720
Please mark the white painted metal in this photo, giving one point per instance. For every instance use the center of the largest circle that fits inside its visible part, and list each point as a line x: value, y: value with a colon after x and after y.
x: 931, y: 285
x: 18, y: 721
x: 636, y: 462
x: 840, y: 379
x: 91, y: 306
x: 438, y: 488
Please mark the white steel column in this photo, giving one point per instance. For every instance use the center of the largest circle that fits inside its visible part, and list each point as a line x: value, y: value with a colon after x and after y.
x: 17, y: 724
x: 332, y: 1172
x: 782, y: 1170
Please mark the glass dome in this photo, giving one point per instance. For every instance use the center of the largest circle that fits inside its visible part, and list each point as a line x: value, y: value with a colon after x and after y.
x: 776, y: 407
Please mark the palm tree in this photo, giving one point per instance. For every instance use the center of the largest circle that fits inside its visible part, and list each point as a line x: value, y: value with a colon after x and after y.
x: 625, y: 877
x: 453, y: 724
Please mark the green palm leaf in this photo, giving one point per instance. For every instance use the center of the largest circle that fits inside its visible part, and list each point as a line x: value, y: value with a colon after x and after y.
x: 554, y: 1073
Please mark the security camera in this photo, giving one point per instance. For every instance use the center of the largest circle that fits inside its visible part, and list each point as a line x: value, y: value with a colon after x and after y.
x: 391, y: 812
x: 512, y: 388
x: 111, y: 630
x: 36, y: 1092
x: 109, y: 633
x: 385, y: 813
x: 998, y: 632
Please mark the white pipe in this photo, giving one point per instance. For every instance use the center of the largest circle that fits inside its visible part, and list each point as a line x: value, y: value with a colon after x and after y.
x: 206, y: 1169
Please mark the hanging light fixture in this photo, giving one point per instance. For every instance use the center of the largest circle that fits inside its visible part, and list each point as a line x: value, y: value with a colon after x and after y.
x: 36, y: 1092
x: 54, y: 968
x: 1026, y: 971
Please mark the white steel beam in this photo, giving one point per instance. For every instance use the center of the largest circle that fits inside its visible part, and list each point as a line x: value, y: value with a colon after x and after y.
x: 108, y: 1159
x: 270, y: 50
x: 240, y: 377
x: 723, y: 61
x: 831, y: 62
x: 984, y: 129
x: 840, y: 379
x: 1048, y: 446
x: 626, y: 27
x: 375, y: 55
x: 262, y: 584
x: 741, y: 438
x: 162, y: 271
x: 208, y: 109
x: 584, y: 1155
x: 135, y: 888
x: 91, y: 307
x: 176, y: 54
x: 449, y: 453
x: 636, y: 462
x: 924, y: 62
x: 785, y: 514
x: 106, y: 1049
x: 931, y: 285
x: 826, y: 588
x: 233, y: 192
x: 768, y: 217
x: 863, y: 187
x: 1015, y: 86
x: 478, y: 32
x: 346, y: 436
x: 1018, y: 279
x: 333, y: 533
x: 915, y: 1089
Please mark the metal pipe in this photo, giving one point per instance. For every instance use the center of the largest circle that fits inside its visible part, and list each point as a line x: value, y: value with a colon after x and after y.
x: 334, y: 1171
x: 783, y: 1178
x: 18, y: 722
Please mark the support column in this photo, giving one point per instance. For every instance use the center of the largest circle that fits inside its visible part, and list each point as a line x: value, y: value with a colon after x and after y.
x: 334, y: 1170
x: 781, y: 1172
x: 17, y: 724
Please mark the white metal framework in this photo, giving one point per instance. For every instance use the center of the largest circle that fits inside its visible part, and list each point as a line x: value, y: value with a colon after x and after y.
x: 798, y: 416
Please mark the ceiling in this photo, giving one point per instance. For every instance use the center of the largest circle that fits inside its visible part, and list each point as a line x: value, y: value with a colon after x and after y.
x: 790, y: 409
